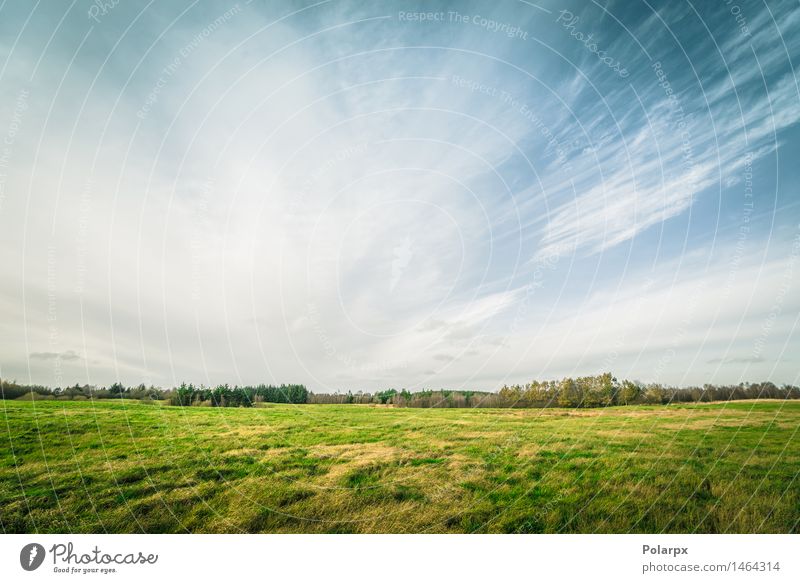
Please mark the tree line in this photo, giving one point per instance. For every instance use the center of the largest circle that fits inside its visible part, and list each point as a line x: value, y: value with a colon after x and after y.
x: 183, y: 395
x: 603, y: 390
x: 226, y: 396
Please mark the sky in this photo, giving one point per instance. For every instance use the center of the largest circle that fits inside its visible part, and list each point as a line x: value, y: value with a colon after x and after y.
x: 363, y: 195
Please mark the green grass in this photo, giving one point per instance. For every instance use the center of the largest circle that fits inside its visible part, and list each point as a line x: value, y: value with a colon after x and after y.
x: 130, y: 467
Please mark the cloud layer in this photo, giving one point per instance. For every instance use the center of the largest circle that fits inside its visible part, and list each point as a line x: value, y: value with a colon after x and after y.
x: 342, y: 195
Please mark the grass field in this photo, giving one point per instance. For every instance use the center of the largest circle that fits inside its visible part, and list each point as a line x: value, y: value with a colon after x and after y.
x: 131, y: 467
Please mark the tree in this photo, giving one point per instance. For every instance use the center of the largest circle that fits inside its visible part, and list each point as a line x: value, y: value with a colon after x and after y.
x: 629, y: 392
x: 569, y: 393
x: 655, y: 394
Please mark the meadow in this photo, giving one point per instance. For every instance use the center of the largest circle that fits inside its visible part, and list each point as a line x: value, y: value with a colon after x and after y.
x: 125, y: 466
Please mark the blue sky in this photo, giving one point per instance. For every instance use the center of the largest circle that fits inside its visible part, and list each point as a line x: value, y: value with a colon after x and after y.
x: 365, y: 195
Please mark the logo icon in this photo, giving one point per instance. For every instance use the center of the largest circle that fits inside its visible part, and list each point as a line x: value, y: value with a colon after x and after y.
x: 31, y: 556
